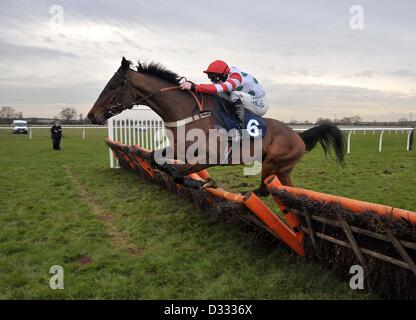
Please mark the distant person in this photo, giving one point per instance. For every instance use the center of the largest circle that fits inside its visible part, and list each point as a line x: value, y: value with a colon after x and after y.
x: 56, y: 135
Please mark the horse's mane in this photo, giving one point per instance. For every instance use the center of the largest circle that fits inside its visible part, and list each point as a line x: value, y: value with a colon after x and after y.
x: 158, y: 70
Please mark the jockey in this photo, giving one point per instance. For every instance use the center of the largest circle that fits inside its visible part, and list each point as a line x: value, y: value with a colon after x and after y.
x: 244, y: 91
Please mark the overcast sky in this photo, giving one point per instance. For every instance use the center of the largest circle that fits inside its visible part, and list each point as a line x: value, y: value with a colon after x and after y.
x: 305, y: 53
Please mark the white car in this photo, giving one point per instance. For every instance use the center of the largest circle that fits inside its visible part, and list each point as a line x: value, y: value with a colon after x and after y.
x: 20, y: 126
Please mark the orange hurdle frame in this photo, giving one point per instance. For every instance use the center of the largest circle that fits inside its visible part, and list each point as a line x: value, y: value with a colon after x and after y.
x: 262, y: 211
x: 355, y: 206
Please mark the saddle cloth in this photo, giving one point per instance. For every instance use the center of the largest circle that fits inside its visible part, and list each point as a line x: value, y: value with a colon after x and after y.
x: 224, y: 117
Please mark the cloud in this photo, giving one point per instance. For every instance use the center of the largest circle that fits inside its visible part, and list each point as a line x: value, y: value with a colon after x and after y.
x: 309, y: 102
x: 301, y: 51
x: 18, y: 51
x: 404, y: 73
x: 366, y: 74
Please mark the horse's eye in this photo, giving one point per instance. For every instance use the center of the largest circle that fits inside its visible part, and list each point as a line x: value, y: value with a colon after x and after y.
x: 114, y: 86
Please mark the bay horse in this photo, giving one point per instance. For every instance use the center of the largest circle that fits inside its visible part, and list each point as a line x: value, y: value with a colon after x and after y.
x: 153, y: 85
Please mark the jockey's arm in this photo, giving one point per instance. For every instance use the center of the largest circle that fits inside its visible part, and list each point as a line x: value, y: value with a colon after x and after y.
x: 233, y: 81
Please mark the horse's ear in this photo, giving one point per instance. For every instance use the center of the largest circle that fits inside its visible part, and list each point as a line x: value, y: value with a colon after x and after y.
x: 125, y: 64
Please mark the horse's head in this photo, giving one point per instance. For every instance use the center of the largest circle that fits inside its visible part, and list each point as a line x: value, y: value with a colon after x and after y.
x: 115, y: 97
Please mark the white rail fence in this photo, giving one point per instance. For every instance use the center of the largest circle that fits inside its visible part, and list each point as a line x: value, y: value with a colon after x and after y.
x: 381, y: 130
x: 141, y: 125
x: 64, y: 127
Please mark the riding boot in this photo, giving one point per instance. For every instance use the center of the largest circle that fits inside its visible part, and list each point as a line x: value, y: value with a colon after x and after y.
x: 240, y: 113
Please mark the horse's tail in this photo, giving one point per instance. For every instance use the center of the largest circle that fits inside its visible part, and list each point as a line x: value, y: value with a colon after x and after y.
x: 329, y: 136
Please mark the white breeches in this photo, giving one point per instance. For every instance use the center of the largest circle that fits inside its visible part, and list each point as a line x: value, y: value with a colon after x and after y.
x: 258, y: 106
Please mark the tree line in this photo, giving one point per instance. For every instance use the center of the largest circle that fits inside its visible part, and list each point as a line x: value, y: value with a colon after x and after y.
x: 66, y: 116
x: 71, y: 116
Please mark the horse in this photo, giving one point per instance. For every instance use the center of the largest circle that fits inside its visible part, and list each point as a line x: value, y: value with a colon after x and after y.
x: 154, y: 85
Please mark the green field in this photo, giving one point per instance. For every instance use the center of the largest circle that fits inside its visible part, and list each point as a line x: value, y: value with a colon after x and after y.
x: 119, y: 237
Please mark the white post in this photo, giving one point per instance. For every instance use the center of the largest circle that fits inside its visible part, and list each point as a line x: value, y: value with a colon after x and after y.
x: 111, y: 136
x: 349, y: 143
x: 380, y: 144
x: 153, y: 134
x: 115, y: 122
x: 159, y: 134
x: 134, y: 131
x: 83, y: 134
x: 30, y: 134
x: 125, y: 131
x: 147, y: 139
x: 164, y: 144
x: 120, y: 131
x: 129, y: 130
x: 141, y: 126
x: 408, y: 139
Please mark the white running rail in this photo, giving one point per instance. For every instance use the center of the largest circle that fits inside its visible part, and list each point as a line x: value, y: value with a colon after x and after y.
x: 139, y: 125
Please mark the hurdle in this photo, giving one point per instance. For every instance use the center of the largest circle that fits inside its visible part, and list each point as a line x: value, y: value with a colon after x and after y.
x: 336, y: 231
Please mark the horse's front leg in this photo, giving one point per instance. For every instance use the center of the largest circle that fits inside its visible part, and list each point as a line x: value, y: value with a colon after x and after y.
x: 183, y: 170
x: 180, y: 172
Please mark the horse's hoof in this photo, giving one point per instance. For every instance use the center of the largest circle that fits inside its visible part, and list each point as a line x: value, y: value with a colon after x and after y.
x: 261, y: 193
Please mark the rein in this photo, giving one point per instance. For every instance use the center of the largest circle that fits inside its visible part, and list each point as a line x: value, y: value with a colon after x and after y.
x: 119, y: 106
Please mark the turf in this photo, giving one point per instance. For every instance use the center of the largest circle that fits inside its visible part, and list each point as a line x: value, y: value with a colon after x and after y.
x: 119, y: 237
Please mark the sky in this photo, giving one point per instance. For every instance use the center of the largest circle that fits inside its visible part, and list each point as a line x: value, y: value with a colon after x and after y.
x: 315, y: 59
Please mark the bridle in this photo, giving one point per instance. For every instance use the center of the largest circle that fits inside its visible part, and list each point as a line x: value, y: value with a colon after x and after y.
x: 120, y: 106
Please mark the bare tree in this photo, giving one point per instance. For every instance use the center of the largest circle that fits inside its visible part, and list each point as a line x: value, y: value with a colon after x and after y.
x: 350, y: 120
x: 8, y: 113
x: 402, y: 120
x: 67, y: 114
x: 323, y: 120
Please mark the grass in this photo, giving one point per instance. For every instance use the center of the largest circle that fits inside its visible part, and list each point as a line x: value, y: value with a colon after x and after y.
x: 119, y: 237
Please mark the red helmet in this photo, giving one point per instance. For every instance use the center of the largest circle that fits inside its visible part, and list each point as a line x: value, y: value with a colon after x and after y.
x: 219, y: 67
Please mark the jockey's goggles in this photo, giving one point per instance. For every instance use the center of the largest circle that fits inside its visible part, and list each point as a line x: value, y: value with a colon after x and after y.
x: 215, y: 77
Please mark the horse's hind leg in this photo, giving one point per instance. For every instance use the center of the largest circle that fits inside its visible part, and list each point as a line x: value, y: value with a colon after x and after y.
x: 268, y: 168
x: 282, y: 169
x: 285, y: 179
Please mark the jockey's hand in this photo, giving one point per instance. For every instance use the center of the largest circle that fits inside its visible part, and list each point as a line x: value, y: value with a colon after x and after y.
x: 186, y: 85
